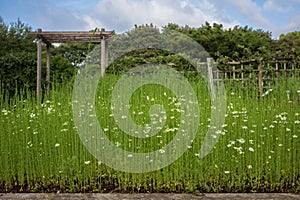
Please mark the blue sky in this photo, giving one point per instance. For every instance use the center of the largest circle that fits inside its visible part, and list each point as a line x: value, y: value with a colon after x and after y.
x: 276, y: 16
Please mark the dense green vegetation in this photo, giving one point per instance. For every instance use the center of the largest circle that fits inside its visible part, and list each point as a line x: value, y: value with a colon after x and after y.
x: 257, y: 151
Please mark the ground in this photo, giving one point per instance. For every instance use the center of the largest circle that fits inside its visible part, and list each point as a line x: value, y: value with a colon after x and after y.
x: 151, y: 196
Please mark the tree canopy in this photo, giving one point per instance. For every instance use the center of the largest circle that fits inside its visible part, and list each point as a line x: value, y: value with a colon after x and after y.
x: 18, y: 50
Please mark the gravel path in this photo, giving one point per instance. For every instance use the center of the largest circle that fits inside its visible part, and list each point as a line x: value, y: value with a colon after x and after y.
x: 150, y: 196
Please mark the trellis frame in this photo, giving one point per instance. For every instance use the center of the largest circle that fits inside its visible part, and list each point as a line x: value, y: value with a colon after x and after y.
x: 51, y: 37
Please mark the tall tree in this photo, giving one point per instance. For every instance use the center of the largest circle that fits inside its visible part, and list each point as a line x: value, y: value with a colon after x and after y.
x: 288, y: 46
x: 17, y: 56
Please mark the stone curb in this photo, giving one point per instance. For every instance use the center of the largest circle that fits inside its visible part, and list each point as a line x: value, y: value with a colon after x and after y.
x: 150, y: 196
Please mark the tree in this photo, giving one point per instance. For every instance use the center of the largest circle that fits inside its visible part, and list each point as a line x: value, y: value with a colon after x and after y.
x: 17, y: 57
x: 238, y: 43
x: 288, y: 46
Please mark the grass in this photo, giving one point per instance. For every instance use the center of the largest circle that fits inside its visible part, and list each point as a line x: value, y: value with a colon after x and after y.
x: 258, y: 148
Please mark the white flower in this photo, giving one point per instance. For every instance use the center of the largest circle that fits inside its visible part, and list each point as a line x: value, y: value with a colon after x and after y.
x: 224, y: 125
x: 234, y: 112
x: 226, y: 172
x: 5, y: 112
x: 161, y: 151
x: 241, y: 140
x: 239, y: 149
x: 178, y: 103
x: 249, y: 166
x: 57, y: 145
x: 129, y: 155
x: 49, y: 110
x: 283, y: 118
x: 251, y: 149
x: 294, y: 136
x: 118, y: 144
x: 87, y: 162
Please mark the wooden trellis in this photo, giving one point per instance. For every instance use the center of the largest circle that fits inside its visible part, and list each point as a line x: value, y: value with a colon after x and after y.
x: 67, y: 37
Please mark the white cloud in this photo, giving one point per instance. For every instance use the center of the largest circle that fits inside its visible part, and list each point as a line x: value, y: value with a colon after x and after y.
x: 121, y: 15
x: 91, y: 23
x: 289, y: 10
x: 45, y: 15
x: 292, y: 25
x: 274, y: 6
x: 252, y: 12
x: 280, y: 6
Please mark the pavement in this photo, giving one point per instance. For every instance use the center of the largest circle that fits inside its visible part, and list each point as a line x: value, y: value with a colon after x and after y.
x: 150, y: 196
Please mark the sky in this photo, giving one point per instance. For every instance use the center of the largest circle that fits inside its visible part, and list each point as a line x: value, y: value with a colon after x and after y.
x: 275, y: 16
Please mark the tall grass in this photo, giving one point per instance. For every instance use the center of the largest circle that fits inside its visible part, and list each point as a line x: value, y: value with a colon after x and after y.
x: 258, y: 148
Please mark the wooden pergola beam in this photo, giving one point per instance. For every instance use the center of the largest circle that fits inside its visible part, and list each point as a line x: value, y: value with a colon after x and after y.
x: 50, y: 37
x: 72, y: 36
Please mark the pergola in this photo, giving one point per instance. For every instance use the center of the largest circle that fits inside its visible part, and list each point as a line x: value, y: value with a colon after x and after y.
x: 51, y: 37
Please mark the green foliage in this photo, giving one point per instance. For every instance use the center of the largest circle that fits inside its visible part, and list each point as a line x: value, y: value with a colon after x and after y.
x: 15, y: 37
x: 62, y: 70
x: 288, y: 46
x: 18, y: 50
x: 257, y: 150
x: 238, y: 43
x: 74, y: 53
x: 149, y: 56
x: 147, y: 44
x: 17, y: 57
x: 17, y: 70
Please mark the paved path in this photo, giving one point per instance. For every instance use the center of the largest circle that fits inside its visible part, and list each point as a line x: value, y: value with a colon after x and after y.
x: 150, y: 196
